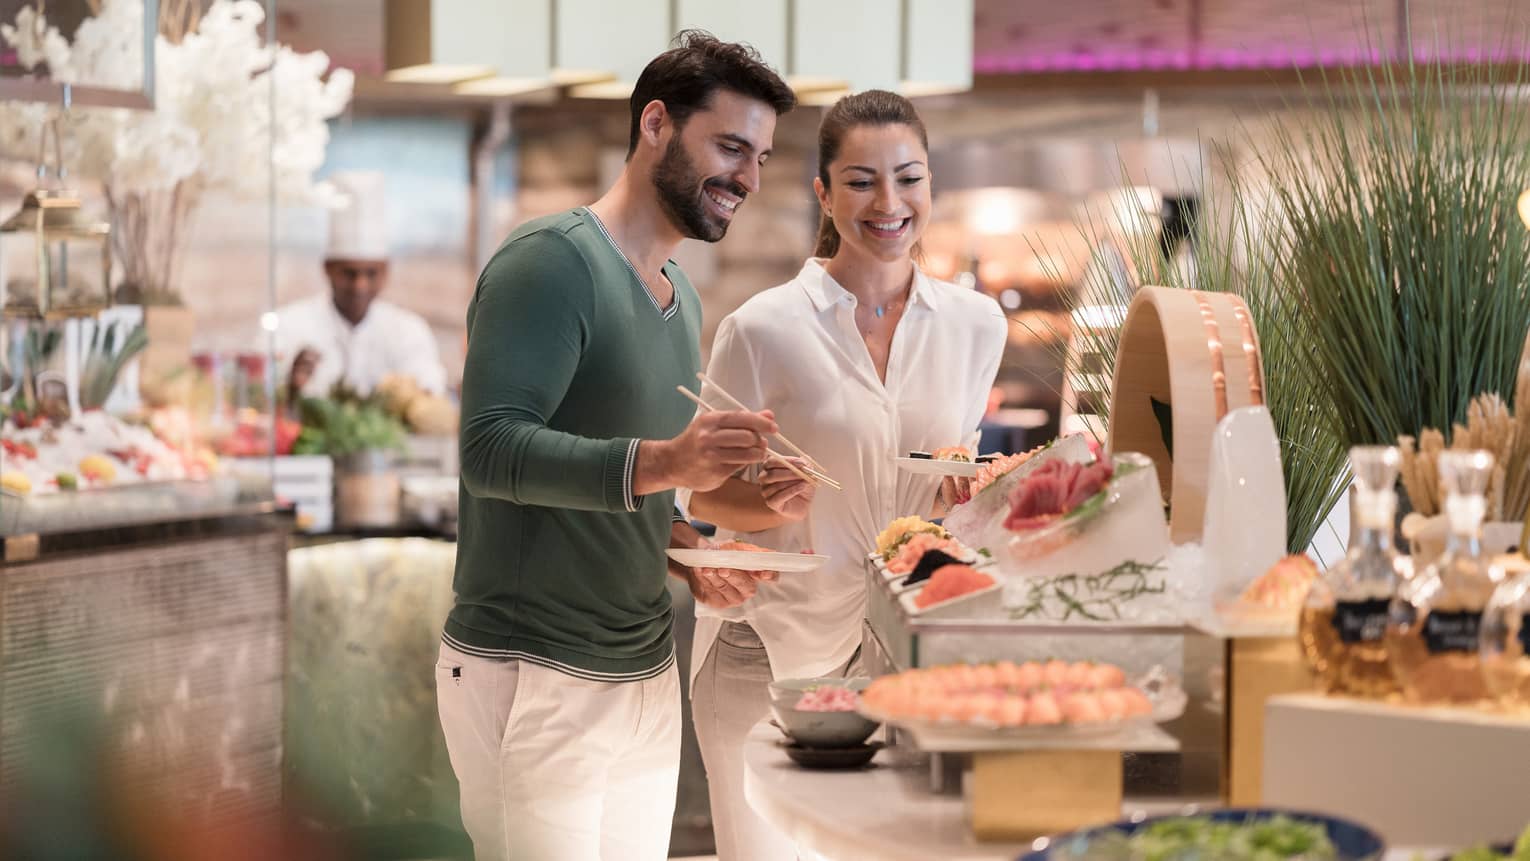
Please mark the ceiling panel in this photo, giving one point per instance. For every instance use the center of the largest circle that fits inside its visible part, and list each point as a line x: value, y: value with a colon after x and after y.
x: 1122, y: 35
x: 1029, y: 35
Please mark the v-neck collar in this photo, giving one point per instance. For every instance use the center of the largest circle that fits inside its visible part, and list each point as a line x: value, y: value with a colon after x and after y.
x: 674, y: 302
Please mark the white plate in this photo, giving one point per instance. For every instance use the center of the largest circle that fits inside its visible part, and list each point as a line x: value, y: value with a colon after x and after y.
x: 1138, y: 733
x: 964, y: 554
x: 930, y: 466
x: 906, y: 597
x: 747, y: 560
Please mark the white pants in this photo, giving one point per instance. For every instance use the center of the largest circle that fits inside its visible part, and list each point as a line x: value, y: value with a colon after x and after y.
x: 728, y: 698
x: 558, y: 768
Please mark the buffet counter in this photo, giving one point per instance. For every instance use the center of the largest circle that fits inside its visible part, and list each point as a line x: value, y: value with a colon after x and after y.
x: 160, y: 644
x: 884, y: 812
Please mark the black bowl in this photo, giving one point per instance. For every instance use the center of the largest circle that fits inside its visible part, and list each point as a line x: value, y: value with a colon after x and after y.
x: 831, y: 757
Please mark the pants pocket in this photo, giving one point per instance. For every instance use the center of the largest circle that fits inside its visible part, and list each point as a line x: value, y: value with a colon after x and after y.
x: 449, y: 666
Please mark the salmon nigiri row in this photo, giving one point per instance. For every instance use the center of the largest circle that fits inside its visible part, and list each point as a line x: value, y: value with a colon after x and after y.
x: 1009, y: 694
x: 914, y: 549
x: 1031, y: 674
x: 1010, y: 708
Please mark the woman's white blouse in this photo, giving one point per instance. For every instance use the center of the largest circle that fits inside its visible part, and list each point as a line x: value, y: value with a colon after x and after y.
x: 795, y: 349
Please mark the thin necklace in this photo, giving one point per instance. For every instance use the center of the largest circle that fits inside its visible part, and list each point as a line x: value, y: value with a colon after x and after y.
x: 881, y: 310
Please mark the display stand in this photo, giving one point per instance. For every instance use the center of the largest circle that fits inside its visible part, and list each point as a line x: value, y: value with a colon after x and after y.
x: 1420, y: 776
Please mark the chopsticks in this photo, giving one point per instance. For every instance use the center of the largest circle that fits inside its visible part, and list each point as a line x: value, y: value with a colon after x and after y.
x: 808, y: 474
x: 738, y: 405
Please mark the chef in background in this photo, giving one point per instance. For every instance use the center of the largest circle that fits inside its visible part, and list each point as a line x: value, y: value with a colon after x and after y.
x: 347, y: 334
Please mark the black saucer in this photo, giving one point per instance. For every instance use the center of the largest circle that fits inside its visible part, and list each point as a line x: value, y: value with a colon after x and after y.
x: 831, y: 757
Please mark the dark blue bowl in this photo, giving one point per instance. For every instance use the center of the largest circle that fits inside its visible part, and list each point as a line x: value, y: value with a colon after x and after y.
x: 1353, y: 841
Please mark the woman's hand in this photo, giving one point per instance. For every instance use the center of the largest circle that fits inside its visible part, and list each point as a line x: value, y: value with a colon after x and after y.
x: 955, y: 491
x: 785, y: 493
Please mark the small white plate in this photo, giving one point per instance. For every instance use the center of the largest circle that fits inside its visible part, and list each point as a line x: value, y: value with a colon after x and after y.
x: 907, y: 595
x: 1136, y: 734
x: 962, y: 554
x: 747, y: 560
x: 930, y: 466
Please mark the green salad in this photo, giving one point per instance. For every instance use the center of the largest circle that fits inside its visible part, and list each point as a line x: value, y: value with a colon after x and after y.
x: 1278, y: 837
x: 1199, y: 838
x: 1520, y: 852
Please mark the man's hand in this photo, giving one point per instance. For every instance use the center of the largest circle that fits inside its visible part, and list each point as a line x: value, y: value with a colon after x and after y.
x: 720, y: 588
x: 785, y: 493
x: 712, y: 447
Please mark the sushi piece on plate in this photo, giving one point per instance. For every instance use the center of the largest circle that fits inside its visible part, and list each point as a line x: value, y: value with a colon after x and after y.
x: 901, y: 530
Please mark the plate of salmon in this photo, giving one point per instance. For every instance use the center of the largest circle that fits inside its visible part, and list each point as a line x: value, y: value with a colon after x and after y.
x: 955, y: 461
x: 743, y: 556
x: 1031, y: 699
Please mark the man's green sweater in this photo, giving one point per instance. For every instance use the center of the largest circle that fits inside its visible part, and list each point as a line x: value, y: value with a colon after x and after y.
x: 570, y: 362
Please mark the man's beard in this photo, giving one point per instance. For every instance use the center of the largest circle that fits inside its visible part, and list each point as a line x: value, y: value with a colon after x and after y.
x: 680, y: 188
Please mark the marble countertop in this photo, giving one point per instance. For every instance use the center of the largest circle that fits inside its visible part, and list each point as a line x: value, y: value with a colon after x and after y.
x: 881, y: 813
x: 885, y: 812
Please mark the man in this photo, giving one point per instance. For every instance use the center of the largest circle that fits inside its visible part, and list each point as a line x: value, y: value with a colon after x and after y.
x: 556, y: 683
x: 349, y: 335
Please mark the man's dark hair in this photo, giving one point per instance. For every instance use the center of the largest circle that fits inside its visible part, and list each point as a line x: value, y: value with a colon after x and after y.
x: 686, y: 77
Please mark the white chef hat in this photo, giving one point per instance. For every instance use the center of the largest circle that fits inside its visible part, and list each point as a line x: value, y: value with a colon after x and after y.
x: 358, y: 227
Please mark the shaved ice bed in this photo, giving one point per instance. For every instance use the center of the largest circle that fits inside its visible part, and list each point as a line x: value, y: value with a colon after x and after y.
x: 1007, y: 694
x: 828, y: 698
x: 950, y: 582
x: 1169, y: 590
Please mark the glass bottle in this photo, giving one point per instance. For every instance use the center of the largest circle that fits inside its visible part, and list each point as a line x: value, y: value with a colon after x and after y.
x: 1505, y: 645
x: 1344, y: 618
x: 1433, y: 626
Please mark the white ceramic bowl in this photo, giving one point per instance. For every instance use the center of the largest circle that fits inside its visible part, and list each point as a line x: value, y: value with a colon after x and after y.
x: 819, y: 729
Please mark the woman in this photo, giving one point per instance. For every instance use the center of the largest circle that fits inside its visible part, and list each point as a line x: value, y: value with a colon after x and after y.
x: 862, y: 358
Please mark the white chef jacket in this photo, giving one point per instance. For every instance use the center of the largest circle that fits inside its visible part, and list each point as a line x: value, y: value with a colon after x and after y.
x: 389, y: 340
x: 795, y: 349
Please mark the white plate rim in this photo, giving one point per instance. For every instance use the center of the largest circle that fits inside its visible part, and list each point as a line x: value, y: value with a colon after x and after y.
x: 983, y: 730
x: 930, y: 466
x: 747, y: 560
x: 906, y: 596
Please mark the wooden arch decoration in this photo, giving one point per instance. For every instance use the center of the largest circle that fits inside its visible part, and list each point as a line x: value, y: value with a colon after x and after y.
x: 1185, y: 358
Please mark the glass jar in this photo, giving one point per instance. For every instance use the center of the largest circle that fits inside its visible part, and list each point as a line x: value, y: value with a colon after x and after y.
x: 1433, y: 627
x: 1344, y: 618
x: 1505, y: 644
